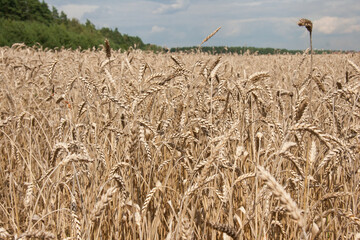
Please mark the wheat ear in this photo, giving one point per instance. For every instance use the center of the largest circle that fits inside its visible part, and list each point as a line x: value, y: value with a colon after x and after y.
x: 42, y: 234
x: 210, y: 36
x: 104, y: 201
x: 283, y: 196
x: 4, y: 234
x: 148, y: 198
x: 229, y: 230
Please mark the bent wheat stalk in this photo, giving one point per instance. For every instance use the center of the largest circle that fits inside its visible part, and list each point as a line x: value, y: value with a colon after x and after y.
x: 309, y: 26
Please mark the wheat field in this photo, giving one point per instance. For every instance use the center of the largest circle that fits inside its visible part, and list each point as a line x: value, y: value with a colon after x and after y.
x: 138, y: 145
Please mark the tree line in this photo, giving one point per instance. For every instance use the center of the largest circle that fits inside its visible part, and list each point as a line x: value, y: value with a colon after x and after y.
x: 241, y: 50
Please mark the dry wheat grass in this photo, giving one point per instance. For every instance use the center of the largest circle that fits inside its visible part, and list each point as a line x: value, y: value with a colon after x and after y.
x: 177, y: 146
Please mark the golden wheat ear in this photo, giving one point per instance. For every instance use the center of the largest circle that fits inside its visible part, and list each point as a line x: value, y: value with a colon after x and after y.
x: 210, y: 36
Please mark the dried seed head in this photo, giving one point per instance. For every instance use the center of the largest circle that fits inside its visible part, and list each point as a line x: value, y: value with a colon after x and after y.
x: 306, y: 23
x: 301, y: 109
x: 229, y: 230
x: 107, y: 48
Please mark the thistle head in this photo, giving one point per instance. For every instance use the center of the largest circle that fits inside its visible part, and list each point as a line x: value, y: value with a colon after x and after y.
x: 306, y: 23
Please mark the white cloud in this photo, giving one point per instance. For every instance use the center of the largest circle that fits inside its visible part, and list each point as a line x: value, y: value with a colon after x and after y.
x: 157, y: 29
x: 251, y: 25
x: 76, y: 10
x: 248, y: 4
x: 178, y: 5
x: 329, y: 25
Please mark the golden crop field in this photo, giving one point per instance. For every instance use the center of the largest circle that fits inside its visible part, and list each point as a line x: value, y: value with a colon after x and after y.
x: 140, y: 145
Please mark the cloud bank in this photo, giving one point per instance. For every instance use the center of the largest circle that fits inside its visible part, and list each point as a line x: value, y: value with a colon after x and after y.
x: 331, y: 25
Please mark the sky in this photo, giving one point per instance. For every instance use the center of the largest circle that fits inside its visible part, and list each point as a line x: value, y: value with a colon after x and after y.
x: 257, y: 23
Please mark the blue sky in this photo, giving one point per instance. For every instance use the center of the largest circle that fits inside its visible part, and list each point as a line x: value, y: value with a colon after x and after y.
x: 258, y: 23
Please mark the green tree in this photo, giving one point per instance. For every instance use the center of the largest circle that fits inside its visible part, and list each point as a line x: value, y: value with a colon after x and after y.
x: 63, y: 17
x: 55, y: 14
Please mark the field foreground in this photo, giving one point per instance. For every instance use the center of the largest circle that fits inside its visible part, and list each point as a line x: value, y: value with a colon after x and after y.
x: 183, y: 146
